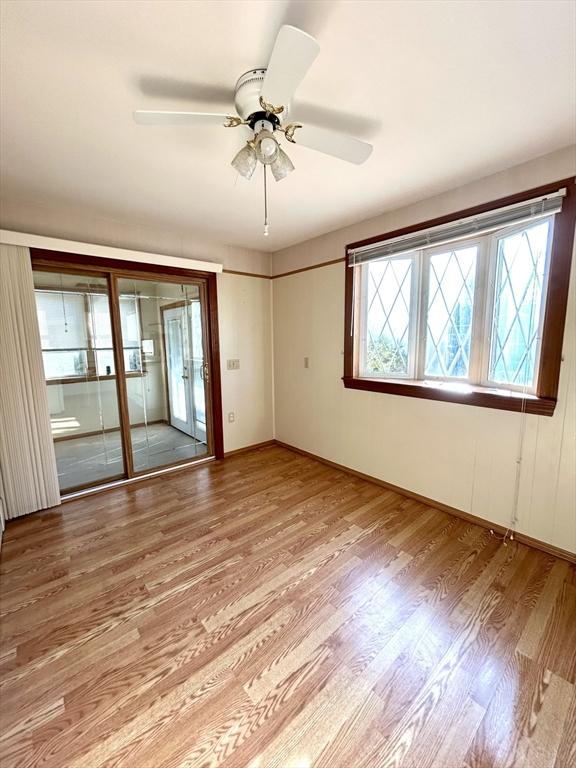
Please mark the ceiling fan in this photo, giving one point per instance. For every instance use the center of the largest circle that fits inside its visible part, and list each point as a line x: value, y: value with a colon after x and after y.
x: 262, y: 99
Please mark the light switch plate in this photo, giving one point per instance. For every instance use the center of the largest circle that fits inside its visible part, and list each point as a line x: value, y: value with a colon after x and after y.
x: 233, y: 365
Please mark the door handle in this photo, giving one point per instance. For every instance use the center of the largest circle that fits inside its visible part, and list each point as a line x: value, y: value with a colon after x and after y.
x: 205, y: 375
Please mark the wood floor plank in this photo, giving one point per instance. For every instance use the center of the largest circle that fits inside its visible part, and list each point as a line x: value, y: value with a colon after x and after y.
x: 292, y: 661
x: 524, y: 723
x: 559, y: 637
x: 449, y: 679
x: 268, y: 611
x: 566, y: 754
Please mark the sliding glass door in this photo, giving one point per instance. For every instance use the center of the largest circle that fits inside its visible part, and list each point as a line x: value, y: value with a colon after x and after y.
x: 75, y: 333
x: 167, y: 398
x: 127, y: 361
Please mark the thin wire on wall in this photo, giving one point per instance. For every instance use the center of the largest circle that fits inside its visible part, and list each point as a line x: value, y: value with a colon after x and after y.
x: 533, y: 344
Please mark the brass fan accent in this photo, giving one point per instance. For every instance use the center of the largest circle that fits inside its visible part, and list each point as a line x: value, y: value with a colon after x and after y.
x: 270, y: 109
x: 289, y: 130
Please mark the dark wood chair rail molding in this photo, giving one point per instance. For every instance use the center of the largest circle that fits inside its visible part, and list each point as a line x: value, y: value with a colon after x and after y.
x: 307, y: 269
x: 246, y: 274
x: 285, y: 274
x: 554, y: 317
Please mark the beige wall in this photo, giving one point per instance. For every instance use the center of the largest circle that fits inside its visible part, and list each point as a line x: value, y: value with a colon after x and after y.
x: 459, y: 455
x: 70, y: 222
x: 245, y: 321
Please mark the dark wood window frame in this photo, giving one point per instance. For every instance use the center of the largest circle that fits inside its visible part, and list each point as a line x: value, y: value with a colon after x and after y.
x: 544, y: 402
x: 57, y: 260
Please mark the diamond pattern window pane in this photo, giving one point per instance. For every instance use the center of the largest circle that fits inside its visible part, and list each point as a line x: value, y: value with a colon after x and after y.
x: 521, y: 260
x: 449, y: 320
x: 388, y: 301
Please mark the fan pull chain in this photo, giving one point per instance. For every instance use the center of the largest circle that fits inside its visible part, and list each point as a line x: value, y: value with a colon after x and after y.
x: 266, y: 230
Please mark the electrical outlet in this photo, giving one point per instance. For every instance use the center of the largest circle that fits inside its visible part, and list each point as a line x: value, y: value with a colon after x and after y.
x: 306, y: 362
x: 231, y: 418
x: 233, y: 365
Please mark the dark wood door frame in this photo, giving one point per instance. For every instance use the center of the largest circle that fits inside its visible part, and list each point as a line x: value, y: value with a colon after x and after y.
x: 121, y: 389
x: 113, y: 269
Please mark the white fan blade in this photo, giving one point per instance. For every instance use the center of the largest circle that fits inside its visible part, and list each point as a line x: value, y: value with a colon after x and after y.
x: 333, y: 143
x: 292, y: 56
x: 148, y: 117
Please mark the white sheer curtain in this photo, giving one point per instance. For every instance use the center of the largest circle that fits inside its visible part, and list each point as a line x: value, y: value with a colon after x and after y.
x: 29, y: 474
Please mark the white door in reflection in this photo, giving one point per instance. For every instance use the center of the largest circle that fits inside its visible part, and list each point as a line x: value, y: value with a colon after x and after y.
x: 185, y: 369
x: 177, y: 370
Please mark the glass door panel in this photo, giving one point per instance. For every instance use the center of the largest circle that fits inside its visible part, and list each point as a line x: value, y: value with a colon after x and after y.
x: 75, y: 331
x: 163, y: 338
x: 179, y: 393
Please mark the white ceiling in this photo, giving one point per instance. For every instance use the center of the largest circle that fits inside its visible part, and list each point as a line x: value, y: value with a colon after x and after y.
x: 451, y: 91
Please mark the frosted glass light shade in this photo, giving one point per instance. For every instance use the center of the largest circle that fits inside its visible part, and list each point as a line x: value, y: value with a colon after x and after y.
x: 245, y: 161
x: 282, y: 165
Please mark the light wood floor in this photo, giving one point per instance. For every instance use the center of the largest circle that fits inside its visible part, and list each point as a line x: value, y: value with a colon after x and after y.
x: 269, y: 611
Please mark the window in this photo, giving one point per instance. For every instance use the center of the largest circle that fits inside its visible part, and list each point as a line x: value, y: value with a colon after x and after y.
x: 422, y: 312
x: 102, y: 334
x: 63, y: 333
x: 464, y: 319
x: 76, y: 334
x: 521, y: 259
x: 387, y: 317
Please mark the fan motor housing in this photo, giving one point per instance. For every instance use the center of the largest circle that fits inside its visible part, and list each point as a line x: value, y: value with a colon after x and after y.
x: 247, y: 95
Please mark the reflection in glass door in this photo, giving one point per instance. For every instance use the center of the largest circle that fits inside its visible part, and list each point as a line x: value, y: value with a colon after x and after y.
x: 165, y: 375
x: 74, y: 320
x: 186, y: 369
x: 179, y: 394
x: 127, y: 368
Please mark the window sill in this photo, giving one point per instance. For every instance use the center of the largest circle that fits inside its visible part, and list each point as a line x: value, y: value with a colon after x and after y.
x: 82, y: 379
x: 506, y: 400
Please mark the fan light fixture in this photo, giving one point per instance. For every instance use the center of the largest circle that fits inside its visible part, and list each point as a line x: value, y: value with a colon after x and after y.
x: 265, y: 149
x: 255, y: 96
